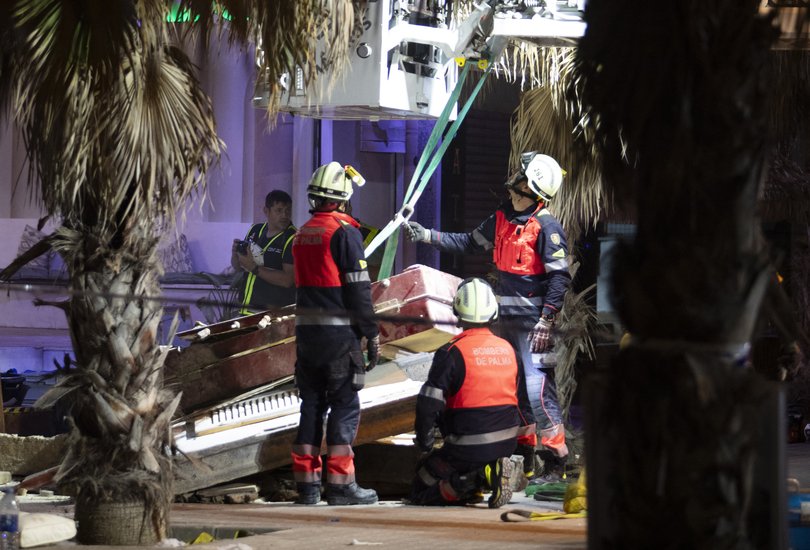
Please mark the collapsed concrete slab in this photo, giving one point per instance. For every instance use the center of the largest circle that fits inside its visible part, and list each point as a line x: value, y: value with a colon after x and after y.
x: 23, y: 456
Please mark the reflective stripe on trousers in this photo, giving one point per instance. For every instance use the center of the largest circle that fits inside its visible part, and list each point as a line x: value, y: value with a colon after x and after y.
x: 484, y: 438
x: 340, y: 465
x: 306, y: 463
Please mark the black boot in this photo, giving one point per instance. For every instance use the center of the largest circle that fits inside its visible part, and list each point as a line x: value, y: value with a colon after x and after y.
x: 351, y: 493
x: 553, y: 468
x: 467, y: 487
x: 308, y: 493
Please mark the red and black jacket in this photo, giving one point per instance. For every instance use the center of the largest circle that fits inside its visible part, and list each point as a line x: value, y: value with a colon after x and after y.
x: 471, y: 394
x: 333, y: 288
x: 530, y: 252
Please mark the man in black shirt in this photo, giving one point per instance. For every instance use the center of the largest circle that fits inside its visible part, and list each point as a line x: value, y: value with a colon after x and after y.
x: 265, y: 255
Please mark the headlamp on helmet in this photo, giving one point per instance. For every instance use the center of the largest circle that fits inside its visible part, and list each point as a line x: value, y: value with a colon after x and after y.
x: 475, y: 303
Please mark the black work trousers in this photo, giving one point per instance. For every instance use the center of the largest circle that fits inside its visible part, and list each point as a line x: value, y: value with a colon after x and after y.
x: 442, y: 480
x: 326, y: 388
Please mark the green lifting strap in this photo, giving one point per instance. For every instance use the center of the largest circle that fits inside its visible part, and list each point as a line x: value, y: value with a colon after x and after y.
x: 438, y: 129
x: 414, y: 191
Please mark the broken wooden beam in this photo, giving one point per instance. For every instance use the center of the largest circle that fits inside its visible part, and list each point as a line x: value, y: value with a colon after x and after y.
x: 386, y: 410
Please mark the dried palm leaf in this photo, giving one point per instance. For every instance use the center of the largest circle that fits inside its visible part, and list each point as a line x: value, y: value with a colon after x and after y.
x: 576, y: 322
x: 289, y: 35
x: 144, y: 399
x: 136, y: 434
x: 548, y: 120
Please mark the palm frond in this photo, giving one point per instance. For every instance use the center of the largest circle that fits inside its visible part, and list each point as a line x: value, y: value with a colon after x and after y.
x: 115, y: 133
x: 310, y: 36
x: 576, y: 323
x: 546, y: 121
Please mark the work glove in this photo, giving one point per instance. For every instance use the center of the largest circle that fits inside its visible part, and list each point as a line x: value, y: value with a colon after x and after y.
x: 417, y: 233
x: 373, y: 351
x: 540, y: 337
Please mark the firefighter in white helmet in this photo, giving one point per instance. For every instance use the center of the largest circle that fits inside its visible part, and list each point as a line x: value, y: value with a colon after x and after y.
x: 332, y: 282
x: 471, y: 395
x: 530, y: 253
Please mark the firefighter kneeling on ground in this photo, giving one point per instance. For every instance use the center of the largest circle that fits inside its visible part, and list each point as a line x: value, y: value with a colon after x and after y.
x: 471, y: 395
x: 332, y: 282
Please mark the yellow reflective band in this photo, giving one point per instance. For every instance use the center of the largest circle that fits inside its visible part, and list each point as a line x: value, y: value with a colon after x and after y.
x: 289, y: 240
x: 251, y: 279
x: 372, y: 232
x: 559, y: 254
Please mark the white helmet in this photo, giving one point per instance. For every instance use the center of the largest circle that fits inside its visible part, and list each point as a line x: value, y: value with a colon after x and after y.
x: 544, y: 174
x: 475, y: 302
x: 333, y: 181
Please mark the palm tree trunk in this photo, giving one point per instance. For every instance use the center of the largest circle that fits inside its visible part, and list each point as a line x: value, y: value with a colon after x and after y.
x: 117, y: 460
x: 675, y: 426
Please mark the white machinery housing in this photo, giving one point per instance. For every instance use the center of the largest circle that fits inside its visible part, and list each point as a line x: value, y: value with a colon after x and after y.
x: 403, y: 64
x: 378, y: 84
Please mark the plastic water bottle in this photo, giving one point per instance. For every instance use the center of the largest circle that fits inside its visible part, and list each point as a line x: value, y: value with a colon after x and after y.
x: 9, y: 521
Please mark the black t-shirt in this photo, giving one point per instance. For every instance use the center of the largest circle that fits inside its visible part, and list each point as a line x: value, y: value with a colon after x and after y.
x: 271, y: 252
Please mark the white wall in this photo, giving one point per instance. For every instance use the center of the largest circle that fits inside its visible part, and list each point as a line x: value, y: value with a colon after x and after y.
x: 273, y: 153
x: 210, y: 243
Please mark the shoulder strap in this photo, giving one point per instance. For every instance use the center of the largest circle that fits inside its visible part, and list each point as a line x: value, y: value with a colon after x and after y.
x: 289, y: 239
x: 254, y: 226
